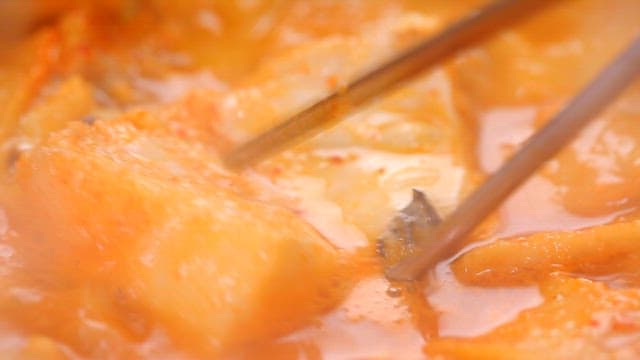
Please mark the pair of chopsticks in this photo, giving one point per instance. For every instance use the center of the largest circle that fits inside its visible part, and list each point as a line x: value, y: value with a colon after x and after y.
x: 446, y: 237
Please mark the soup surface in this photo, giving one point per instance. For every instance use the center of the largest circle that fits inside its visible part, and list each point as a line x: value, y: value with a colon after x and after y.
x: 122, y: 235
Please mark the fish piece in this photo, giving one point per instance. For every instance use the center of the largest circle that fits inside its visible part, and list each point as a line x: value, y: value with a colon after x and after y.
x: 407, y: 228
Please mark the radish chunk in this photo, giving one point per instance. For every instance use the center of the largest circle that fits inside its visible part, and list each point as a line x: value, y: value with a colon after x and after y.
x: 126, y: 206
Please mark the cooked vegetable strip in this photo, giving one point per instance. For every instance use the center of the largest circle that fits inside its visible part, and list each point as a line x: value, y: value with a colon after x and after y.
x: 527, y: 259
